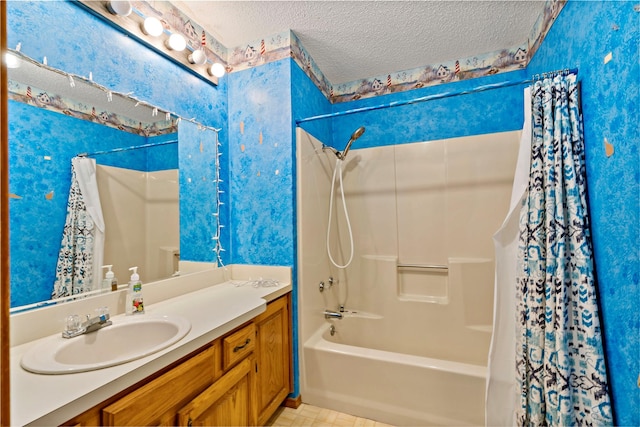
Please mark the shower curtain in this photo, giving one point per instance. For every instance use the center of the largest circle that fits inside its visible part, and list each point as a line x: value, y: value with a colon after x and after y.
x: 81, y: 253
x: 501, y: 396
x: 560, y: 376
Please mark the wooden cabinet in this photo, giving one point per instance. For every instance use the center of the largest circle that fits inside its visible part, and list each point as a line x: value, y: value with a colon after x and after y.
x: 239, y: 379
x: 273, y: 354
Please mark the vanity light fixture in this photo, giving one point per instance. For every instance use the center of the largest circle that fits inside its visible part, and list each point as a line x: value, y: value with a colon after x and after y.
x: 217, y: 69
x: 150, y: 31
x: 152, y: 26
x: 177, y: 42
x: 198, y: 57
x: 120, y: 7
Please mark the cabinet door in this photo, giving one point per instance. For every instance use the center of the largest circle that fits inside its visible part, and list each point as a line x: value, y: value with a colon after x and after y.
x: 273, y: 351
x: 230, y: 401
x: 156, y: 402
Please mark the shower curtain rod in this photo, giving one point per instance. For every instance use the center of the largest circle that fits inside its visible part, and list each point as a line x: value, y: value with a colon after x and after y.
x: 133, y: 147
x: 500, y: 85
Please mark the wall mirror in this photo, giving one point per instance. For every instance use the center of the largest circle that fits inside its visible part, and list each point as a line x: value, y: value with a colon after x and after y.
x: 54, y: 117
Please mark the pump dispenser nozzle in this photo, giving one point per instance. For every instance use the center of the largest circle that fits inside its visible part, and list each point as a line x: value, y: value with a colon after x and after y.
x: 108, y: 274
x: 134, y: 276
x: 110, y: 280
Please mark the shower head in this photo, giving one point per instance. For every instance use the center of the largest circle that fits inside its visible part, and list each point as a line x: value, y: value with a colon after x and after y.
x: 355, y: 135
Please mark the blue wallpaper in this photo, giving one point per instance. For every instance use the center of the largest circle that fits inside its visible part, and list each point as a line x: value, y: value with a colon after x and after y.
x: 496, y: 110
x: 582, y: 36
x: 161, y: 157
x: 123, y: 65
x: 197, y: 197
x: 261, y: 163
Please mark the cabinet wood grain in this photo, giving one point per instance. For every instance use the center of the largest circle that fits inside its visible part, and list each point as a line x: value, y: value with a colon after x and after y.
x: 157, y: 402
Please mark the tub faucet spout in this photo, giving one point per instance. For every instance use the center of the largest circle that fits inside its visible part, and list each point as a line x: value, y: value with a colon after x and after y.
x: 330, y: 314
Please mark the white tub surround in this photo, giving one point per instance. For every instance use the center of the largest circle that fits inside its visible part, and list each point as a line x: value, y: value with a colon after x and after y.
x: 210, y: 300
x: 422, y: 216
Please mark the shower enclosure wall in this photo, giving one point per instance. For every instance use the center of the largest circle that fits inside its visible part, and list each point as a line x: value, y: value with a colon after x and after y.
x: 412, y: 345
x: 141, y: 211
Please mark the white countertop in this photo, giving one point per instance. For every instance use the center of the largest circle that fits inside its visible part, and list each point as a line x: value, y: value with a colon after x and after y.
x: 38, y: 399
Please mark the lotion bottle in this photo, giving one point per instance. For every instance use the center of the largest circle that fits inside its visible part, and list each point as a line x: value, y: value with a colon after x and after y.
x: 134, y: 303
x: 110, y: 280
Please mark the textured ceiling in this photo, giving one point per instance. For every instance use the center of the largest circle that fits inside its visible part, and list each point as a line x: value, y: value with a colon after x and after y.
x: 351, y: 40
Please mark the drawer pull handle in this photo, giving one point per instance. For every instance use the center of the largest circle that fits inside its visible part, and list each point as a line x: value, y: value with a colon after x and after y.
x: 240, y: 347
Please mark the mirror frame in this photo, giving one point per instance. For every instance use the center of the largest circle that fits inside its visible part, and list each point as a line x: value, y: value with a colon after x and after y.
x: 5, y: 415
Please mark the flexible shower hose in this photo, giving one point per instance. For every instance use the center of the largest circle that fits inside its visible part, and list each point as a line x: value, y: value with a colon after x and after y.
x: 346, y: 214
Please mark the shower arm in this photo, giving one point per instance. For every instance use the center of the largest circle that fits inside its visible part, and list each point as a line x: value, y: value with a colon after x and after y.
x: 333, y: 150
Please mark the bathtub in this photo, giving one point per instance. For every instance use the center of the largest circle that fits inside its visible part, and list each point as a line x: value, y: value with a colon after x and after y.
x: 354, y: 372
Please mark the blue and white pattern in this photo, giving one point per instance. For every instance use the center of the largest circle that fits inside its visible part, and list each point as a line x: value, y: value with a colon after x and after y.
x: 74, y: 270
x: 560, y: 363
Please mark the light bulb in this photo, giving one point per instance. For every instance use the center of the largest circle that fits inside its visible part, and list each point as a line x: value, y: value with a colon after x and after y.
x: 120, y: 7
x: 198, y: 57
x: 217, y: 69
x: 152, y: 26
x: 11, y: 60
x: 176, y: 42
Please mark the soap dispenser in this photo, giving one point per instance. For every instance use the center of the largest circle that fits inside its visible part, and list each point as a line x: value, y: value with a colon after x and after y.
x: 110, y: 280
x: 134, y: 303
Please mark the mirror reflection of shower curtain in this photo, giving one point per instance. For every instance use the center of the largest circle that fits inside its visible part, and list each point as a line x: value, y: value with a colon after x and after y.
x: 81, y: 253
x: 501, y: 383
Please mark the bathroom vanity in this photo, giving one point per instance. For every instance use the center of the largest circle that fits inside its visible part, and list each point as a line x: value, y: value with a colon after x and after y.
x: 232, y: 368
x: 238, y: 379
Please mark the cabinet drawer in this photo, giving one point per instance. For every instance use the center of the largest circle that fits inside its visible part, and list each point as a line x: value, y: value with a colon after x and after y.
x: 238, y: 345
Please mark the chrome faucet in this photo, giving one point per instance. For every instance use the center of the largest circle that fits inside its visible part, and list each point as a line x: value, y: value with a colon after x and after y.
x: 74, y: 328
x: 330, y: 314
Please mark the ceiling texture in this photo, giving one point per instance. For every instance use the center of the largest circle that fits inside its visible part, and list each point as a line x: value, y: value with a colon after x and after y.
x: 351, y: 40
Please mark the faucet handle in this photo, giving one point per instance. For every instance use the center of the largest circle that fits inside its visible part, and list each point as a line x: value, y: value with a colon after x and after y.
x: 102, y: 311
x: 73, y: 323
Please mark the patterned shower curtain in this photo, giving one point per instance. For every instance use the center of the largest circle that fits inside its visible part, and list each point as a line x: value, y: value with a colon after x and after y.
x: 81, y: 249
x: 560, y: 364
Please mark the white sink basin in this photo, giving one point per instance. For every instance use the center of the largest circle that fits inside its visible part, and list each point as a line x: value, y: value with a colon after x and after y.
x: 129, y: 338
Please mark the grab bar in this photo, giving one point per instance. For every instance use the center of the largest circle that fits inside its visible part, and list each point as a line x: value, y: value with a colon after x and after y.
x: 425, y: 266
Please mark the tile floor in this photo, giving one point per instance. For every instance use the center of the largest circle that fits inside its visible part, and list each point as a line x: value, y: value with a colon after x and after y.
x: 307, y: 415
